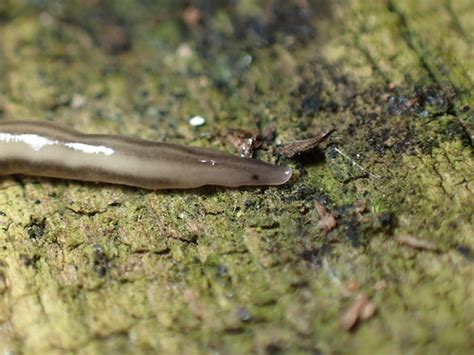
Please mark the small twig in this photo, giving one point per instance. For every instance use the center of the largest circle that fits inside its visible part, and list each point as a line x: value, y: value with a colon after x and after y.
x: 416, y: 243
x: 327, y: 221
x: 361, y: 309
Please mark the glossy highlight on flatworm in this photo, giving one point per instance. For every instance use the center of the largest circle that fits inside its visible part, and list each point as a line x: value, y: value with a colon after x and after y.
x: 50, y: 150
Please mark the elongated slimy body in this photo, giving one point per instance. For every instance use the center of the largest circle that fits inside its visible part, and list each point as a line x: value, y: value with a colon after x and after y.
x: 45, y: 149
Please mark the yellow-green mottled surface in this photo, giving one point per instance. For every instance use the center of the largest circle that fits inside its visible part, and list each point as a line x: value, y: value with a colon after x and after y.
x: 95, y: 269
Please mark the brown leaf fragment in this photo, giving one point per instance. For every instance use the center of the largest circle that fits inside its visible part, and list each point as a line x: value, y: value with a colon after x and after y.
x: 416, y: 242
x: 245, y: 141
x: 353, y: 286
x: 301, y: 146
x: 191, y: 16
x: 361, y: 309
x: 327, y: 221
x: 367, y: 311
x: 360, y: 207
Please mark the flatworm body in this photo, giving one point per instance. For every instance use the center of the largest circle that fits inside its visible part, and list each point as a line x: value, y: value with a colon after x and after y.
x: 49, y: 150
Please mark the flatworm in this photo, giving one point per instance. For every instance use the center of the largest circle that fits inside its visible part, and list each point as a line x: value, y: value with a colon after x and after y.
x: 50, y: 150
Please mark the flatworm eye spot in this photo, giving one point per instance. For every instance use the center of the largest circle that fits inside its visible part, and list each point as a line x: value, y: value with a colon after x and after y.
x: 255, y: 177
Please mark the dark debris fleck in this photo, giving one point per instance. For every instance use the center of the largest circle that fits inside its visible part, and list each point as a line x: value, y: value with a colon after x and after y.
x: 35, y: 229
x: 101, y: 262
x: 466, y: 252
